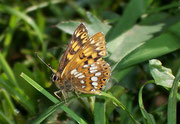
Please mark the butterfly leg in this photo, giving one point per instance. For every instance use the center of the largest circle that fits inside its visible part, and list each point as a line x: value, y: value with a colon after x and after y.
x: 63, y: 94
x: 56, y: 94
x: 76, y: 93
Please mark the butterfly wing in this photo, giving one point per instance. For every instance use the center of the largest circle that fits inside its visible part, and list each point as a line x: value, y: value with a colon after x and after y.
x: 87, y: 71
x: 89, y: 53
x: 79, y: 38
x: 90, y: 78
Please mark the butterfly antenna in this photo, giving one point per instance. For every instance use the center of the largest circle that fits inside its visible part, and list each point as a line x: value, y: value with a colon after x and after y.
x: 45, y: 63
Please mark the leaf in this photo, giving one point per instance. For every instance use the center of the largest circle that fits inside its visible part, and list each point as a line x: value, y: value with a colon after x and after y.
x: 163, y: 76
x: 165, y: 43
x: 129, y: 41
x: 133, y: 11
x: 95, y: 26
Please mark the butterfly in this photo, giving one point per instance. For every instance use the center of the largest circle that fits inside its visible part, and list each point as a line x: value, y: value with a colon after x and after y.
x: 82, y: 68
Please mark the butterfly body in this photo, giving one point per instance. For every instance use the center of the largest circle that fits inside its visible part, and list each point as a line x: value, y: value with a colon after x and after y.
x: 82, y: 67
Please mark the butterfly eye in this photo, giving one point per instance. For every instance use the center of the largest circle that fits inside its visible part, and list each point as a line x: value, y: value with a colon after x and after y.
x: 54, y: 77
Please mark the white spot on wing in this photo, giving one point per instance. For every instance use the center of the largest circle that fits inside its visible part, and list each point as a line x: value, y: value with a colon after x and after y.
x: 97, y: 44
x: 98, y: 74
x: 85, y: 66
x: 101, y: 53
x: 94, y: 78
x: 92, y: 42
x: 78, y: 75
x: 93, y: 90
x: 83, y: 86
x: 92, y: 65
x: 95, y: 84
x: 98, y: 48
x: 82, y: 76
x: 92, y: 71
x: 73, y: 71
x: 93, y: 68
x: 82, y: 82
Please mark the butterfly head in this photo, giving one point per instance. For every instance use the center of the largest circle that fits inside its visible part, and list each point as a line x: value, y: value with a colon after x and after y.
x: 54, y: 77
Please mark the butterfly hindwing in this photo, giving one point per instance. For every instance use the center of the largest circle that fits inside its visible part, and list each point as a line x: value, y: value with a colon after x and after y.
x: 90, y: 78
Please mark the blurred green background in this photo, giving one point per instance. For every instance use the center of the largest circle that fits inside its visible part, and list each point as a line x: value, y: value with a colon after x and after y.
x: 143, y: 42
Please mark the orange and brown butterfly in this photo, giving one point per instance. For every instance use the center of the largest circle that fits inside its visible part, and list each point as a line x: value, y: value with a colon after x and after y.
x: 82, y: 67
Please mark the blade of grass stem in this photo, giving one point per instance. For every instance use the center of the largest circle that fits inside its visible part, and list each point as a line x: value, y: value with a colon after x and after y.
x: 172, y: 101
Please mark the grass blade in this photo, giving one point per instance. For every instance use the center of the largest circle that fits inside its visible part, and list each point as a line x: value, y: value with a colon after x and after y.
x: 10, y: 33
x: 9, y: 101
x: 42, y: 5
x: 172, y: 101
x: 28, y: 20
x: 4, y: 119
x: 18, y: 95
x: 133, y: 11
x: 148, y: 117
x: 99, y: 112
x: 7, y: 70
x: 39, y: 88
x: 120, y: 105
x: 53, y: 99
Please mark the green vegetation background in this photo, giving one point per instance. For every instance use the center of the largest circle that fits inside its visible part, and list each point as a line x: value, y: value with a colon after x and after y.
x: 142, y: 89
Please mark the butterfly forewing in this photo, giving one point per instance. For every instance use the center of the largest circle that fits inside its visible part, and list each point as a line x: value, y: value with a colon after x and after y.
x: 79, y: 38
x: 90, y: 52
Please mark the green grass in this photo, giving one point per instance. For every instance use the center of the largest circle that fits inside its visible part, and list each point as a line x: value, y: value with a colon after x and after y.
x: 142, y: 39
x: 172, y: 100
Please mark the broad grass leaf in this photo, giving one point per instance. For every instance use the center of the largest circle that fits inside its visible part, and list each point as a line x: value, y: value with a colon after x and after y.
x: 165, y: 43
x: 129, y: 41
x: 132, y: 12
x: 95, y: 26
